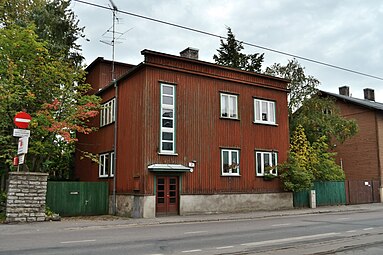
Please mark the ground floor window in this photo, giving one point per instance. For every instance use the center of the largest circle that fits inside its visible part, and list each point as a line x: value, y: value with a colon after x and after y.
x: 266, y: 162
x: 106, y: 165
x: 229, y: 162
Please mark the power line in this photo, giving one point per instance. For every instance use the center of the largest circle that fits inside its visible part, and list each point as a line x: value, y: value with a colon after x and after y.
x: 245, y: 43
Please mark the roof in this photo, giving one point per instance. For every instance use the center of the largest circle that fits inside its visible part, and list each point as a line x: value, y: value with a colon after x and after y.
x: 361, y: 102
x: 196, y: 61
x: 169, y: 167
x: 101, y: 59
x: 201, y: 62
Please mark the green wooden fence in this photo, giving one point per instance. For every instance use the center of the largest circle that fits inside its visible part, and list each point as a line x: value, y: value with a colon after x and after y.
x: 78, y: 198
x: 327, y: 193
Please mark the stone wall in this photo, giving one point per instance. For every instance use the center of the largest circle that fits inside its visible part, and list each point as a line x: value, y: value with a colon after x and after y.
x: 26, y: 197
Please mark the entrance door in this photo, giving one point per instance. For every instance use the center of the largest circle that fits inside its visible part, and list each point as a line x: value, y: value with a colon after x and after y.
x: 167, y: 195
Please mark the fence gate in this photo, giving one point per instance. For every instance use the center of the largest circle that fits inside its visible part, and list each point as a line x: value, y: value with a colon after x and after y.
x: 78, y: 198
x: 362, y: 191
x: 327, y: 193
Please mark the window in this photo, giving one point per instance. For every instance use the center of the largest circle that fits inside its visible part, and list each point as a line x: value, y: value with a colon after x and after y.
x: 264, y: 111
x: 229, y: 162
x: 106, y: 165
x: 167, y: 122
x: 107, y: 113
x: 266, y: 162
x: 229, y: 106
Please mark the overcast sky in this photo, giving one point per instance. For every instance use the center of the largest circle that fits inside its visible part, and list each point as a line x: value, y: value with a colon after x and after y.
x: 348, y: 33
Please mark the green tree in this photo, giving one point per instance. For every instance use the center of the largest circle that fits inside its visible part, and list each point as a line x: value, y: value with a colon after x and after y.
x: 50, y: 89
x: 324, y: 166
x: 301, y: 86
x: 320, y: 117
x: 229, y: 54
x: 54, y: 23
x: 309, y: 162
x: 297, y: 173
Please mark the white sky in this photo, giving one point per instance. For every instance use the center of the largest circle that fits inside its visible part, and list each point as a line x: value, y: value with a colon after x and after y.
x: 344, y: 33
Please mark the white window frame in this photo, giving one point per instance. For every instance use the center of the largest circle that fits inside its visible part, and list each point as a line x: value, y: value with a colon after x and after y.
x: 107, y: 112
x: 232, y: 171
x: 272, y: 159
x: 264, y: 111
x: 106, y: 165
x: 229, y: 106
x: 168, y: 130
x: 112, y: 166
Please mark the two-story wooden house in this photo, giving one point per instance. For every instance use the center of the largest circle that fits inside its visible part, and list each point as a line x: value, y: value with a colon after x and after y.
x: 361, y: 156
x: 186, y: 136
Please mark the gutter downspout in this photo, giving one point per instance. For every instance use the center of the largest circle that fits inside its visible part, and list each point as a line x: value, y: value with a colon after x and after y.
x: 378, y: 134
x: 114, y: 209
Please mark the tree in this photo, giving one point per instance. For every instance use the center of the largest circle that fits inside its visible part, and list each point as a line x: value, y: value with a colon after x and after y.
x: 229, y: 54
x: 301, y: 86
x: 324, y: 166
x: 54, y: 23
x: 309, y: 162
x: 51, y: 89
x: 320, y: 117
x: 297, y: 174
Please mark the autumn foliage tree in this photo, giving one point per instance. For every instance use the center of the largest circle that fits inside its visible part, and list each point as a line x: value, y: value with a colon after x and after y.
x: 48, y: 84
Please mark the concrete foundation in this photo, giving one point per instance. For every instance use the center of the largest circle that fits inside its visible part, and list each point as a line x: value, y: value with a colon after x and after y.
x: 228, y: 203
x: 139, y: 206
x: 135, y: 206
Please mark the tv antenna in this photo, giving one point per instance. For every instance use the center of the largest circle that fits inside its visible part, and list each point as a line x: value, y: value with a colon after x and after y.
x: 116, y: 36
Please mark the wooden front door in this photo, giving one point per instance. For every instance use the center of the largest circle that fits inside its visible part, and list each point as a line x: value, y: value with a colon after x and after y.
x: 167, y: 195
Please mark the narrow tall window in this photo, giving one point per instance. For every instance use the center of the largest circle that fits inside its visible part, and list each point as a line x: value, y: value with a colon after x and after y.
x: 167, y: 136
x: 266, y: 163
x: 106, y: 165
x: 229, y: 162
x: 107, y: 113
x: 264, y: 111
x: 229, y: 106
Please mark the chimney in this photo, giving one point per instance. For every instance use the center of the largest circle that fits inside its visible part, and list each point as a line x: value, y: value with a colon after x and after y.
x: 344, y: 91
x: 369, y: 94
x: 189, y: 53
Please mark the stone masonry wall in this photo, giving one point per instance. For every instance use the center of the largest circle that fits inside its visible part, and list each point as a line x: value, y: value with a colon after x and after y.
x: 26, y: 197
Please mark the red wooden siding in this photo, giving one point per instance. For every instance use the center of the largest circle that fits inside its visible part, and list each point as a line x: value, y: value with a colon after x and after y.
x: 200, y: 132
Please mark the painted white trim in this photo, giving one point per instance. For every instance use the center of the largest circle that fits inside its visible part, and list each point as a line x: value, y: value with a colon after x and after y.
x: 262, y: 163
x: 270, y: 111
x: 230, y: 161
x: 230, y: 109
x: 172, y: 130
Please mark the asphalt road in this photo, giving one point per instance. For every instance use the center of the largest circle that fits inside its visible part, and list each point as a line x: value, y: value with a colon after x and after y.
x: 333, y: 233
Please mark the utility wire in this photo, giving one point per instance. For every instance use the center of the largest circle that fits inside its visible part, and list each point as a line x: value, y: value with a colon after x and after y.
x: 223, y: 37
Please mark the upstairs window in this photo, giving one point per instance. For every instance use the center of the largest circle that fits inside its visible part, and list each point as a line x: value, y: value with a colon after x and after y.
x: 264, y: 112
x: 229, y: 106
x: 107, y: 113
x: 167, y: 122
x: 229, y: 162
x: 266, y: 162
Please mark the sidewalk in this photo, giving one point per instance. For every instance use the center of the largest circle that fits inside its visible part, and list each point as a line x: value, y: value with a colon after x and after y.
x: 109, y: 220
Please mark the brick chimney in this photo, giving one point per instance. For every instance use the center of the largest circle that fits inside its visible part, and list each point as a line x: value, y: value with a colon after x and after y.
x: 344, y: 91
x: 369, y: 94
x: 189, y: 53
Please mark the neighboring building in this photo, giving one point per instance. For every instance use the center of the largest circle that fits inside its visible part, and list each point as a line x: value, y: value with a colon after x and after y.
x: 361, y: 156
x: 192, y: 136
